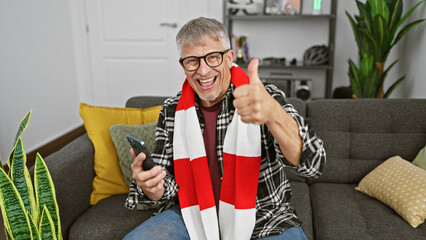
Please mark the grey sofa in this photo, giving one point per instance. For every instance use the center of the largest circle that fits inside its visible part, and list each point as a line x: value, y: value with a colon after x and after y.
x: 358, y: 135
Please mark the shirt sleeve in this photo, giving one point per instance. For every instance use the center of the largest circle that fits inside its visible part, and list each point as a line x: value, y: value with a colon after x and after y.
x: 162, y: 155
x: 313, y: 157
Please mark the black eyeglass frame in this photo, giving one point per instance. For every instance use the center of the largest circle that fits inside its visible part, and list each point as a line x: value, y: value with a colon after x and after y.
x: 203, y: 57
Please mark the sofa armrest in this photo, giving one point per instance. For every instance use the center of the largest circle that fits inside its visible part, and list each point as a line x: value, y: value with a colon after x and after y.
x: 72, y: 172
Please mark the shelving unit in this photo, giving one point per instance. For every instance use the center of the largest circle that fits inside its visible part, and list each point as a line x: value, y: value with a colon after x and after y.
x: 229, y: 19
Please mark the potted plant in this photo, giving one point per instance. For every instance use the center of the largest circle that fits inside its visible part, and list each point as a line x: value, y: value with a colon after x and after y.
x: 29, y: 211
x: 376, y: 32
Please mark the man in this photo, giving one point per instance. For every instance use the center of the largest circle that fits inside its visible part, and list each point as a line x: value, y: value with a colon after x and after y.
x: 222, y: 145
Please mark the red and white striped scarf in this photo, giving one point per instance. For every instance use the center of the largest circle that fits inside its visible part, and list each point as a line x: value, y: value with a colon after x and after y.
x: 241, y: 164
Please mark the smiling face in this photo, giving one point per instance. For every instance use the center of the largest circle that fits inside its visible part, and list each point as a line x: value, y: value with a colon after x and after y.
x: 210, y: 83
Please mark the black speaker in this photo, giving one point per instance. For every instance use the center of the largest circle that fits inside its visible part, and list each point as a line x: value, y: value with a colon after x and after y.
x: 303, y: 91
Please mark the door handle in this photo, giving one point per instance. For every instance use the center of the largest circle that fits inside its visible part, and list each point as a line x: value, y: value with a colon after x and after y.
x: 172, y: 25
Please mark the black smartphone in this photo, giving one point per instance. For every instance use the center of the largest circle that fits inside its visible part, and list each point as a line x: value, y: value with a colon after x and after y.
x: 139, y: 146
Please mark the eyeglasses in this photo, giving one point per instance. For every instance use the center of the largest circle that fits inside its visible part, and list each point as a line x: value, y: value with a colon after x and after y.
x: 213, y: 59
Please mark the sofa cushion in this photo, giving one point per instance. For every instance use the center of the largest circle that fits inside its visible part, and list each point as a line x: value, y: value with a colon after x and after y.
x: 97, y: 121
x: 341, y: 212
x: 360, y: 134
x: 420, y: 160
x: 400, y: 185
x: 119, y: 133
x: 301, y: 202
x: 108, y: 220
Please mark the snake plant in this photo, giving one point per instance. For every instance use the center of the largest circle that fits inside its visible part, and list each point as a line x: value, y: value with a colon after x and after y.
x: 28, y: 212
x: 376, y: 31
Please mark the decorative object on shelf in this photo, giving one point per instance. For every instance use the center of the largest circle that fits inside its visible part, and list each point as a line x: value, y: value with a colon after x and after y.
x: 242, y: 49
x: 28, y: 214
x: 375, y: 30
x: 248, y: 7
x: 268, y: 61
x: 291, y: 64
x: 303, y: 91
x: 317, y: 7
x: 282, y: 7
x: 316, y: 55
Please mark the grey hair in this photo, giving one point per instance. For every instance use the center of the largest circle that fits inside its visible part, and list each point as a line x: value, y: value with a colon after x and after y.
x: 192, y: 33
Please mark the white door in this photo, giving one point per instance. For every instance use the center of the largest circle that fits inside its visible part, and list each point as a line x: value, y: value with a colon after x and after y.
x: 132, y: 46
x: 132, y: 49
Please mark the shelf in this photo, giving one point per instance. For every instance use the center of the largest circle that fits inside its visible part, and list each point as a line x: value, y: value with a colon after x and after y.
x: 276, y: 17
x: 326, y: 18
x: 288, y: 66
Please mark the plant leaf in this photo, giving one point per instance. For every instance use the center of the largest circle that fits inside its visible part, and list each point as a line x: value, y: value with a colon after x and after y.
x: 34, y: 230
x: 47, y: 227
x: 45, y: 193
x: 385, y: 72
x: 21, y: 178
x: 379, y: 7
x: 393, y: 86
x: 407, y: 28
x: 354, y: 78
x: 395, y: 9
x: 364, y: 16
x: 354, y: 29
x: 22, y: 126
x: 401, y: 20
x: 379, y: 32
x: 8, y: 234
x: 13, y: 210
x: 370, y: 39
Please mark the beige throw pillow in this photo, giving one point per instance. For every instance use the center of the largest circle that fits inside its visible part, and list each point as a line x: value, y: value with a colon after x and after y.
x: 400, y: 185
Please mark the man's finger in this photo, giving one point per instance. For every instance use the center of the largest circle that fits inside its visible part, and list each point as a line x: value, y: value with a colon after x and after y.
x: 242, y: 91
x: 253, y: 71
x: 154, y: 179
x: 137, y: 162
x: 132, y: 152
x: 149, y: 174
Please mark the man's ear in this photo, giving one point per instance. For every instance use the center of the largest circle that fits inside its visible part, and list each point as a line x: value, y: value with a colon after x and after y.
x: 230, y: 57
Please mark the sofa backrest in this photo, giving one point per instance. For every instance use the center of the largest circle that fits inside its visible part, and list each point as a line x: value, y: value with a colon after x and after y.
x: 360, y: 134
x: 145, y: 101
x: 150, y: 101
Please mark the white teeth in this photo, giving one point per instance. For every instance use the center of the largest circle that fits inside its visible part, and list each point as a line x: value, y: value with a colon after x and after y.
x: 207, y: 80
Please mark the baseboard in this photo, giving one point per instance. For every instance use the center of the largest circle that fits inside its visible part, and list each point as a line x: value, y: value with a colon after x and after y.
x: 54, y: 145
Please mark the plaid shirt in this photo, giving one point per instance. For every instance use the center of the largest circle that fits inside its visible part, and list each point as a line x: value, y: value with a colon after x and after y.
x: 273, y: 211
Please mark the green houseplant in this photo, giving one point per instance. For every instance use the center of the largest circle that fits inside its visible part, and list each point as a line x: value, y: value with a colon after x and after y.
x: 29, y: 212
x: 376, y: 32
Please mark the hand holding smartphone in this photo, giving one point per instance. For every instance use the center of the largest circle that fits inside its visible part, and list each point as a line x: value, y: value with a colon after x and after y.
x: 139, y: 146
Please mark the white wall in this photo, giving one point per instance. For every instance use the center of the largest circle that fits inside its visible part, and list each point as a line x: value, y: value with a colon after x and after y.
x: 411, y: 52
x: 412, y: 58
x: 37, y: 71
x: 38, y: 67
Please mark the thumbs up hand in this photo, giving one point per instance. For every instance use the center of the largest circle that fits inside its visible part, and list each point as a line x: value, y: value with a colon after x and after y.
x: 253, y: 103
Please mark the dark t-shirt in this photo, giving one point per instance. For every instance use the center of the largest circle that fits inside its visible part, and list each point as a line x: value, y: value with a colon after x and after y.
x: 210, y: 117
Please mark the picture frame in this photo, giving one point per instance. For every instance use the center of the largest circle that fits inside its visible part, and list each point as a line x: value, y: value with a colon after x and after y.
x: 282, y: 7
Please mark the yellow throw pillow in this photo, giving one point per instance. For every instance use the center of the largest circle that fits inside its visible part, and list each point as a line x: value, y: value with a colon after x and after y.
x: 400, y: 185
x: 97, y: 121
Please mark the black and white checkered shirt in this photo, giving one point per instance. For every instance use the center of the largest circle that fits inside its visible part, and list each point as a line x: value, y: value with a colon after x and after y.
x: 273, y: 211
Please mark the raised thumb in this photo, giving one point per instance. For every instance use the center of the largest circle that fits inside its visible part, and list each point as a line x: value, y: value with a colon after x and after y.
x: 253, y: 72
